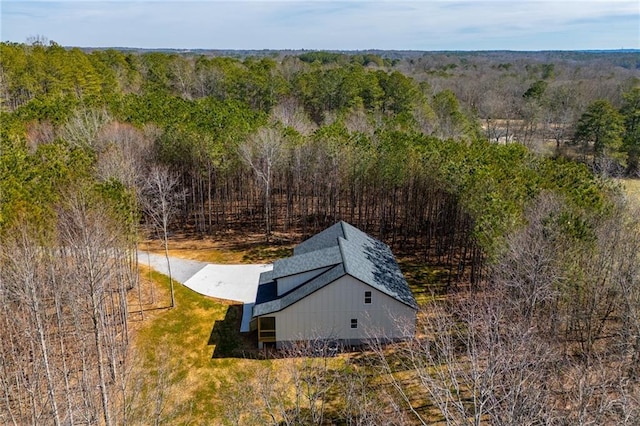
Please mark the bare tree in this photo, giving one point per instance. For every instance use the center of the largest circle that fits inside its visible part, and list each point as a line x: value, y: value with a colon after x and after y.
x: 560, y: 115
x: 620, y: 237
x: 530, y: 267
x: 264, y: 152
x: 473, y: 364
x: 364, y: 398
x: 84, y: 126
x: 63, y: 315
x: 25, y: 268
x: 241, y: 401
x: 311, y: 382
x: 152, y: 388
x: 599, y: 392
x: 305, y: 376
x: 122, y: 159
x: 312, y: 379
x: 123, y: 154
x: 183, y: 78
x: 291, y: 114
x: 92, y: 245
x: 39, y: 133
x: 160, y: 198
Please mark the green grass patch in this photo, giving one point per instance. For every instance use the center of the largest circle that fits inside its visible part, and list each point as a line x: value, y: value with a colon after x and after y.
x: 184, y: 347
x: 426, y: 282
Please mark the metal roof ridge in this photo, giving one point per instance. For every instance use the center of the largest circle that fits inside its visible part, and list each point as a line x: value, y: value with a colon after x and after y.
x: 341, y: 242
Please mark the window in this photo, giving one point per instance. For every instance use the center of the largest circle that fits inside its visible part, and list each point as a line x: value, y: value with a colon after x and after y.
x: 354, y: 322
x: 367, y: 297
x: 267, y: 329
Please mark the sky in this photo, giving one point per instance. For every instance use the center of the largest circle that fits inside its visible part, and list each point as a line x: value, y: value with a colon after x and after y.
x: 329, y: 25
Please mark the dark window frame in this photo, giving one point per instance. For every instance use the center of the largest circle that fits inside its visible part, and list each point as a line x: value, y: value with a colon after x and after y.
x: 367, y: 297
x: 354, y: 322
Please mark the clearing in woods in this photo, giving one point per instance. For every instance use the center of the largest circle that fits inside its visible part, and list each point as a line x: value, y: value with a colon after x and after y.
x: 229, y: 248
x: 194, y: 352
x: 186, y: 354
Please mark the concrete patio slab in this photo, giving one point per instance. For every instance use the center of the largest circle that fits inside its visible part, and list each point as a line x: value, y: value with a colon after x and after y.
x: 231, y: 282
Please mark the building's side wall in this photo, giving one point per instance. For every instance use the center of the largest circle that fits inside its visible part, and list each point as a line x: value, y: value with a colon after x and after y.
x: 327, y: 314
x: 286, y: 284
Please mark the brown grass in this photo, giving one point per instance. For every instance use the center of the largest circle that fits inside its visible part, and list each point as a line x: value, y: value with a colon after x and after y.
x: 632, y: 189
x: 231, y: 248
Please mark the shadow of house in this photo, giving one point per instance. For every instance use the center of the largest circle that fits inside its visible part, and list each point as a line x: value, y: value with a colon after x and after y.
x: 225, y: 335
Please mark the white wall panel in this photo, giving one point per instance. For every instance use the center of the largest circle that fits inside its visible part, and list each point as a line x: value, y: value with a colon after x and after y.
x: 327, y: 313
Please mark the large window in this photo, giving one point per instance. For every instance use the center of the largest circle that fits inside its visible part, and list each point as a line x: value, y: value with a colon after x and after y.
x: 367, y: 297
x: 354, y: 322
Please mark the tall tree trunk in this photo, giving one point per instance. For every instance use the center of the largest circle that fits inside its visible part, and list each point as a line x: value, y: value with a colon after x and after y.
x: 166, y: 255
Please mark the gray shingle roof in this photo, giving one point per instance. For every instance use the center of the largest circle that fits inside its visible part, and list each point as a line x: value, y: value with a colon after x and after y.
x: 267, y: 291
x: 372, y: 262
x: 352, y: 251
x: 266, y: 277
x: 327, y: 238
x: 307, y: 262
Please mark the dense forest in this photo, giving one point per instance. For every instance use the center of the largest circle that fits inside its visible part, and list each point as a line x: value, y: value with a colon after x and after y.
x: 496, y: 167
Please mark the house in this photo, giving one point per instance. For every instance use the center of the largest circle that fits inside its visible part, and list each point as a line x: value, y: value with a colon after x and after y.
x: 340, y: 284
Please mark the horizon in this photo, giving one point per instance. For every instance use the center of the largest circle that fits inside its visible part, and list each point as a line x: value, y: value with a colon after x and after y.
x: 45, y: 42
x: 318, y: 25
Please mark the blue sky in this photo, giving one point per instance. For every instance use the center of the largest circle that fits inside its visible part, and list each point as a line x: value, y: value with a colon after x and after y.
x: 322, y: 24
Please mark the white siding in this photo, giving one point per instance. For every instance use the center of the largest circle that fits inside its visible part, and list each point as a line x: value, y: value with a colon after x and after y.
x: 286, y: 284
x: 327, y: 313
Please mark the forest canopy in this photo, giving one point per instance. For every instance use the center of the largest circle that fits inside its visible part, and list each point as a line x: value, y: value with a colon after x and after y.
x: 348, y: 124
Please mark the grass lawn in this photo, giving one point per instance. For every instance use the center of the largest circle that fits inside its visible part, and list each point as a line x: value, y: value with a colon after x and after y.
x: 183, y: 348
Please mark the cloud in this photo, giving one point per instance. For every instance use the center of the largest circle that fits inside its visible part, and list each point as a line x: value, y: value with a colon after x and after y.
x: 324, y: 24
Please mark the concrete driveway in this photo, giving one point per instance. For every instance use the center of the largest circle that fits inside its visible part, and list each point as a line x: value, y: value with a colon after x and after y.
x: 231, y: 282
x: 181, y: 269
